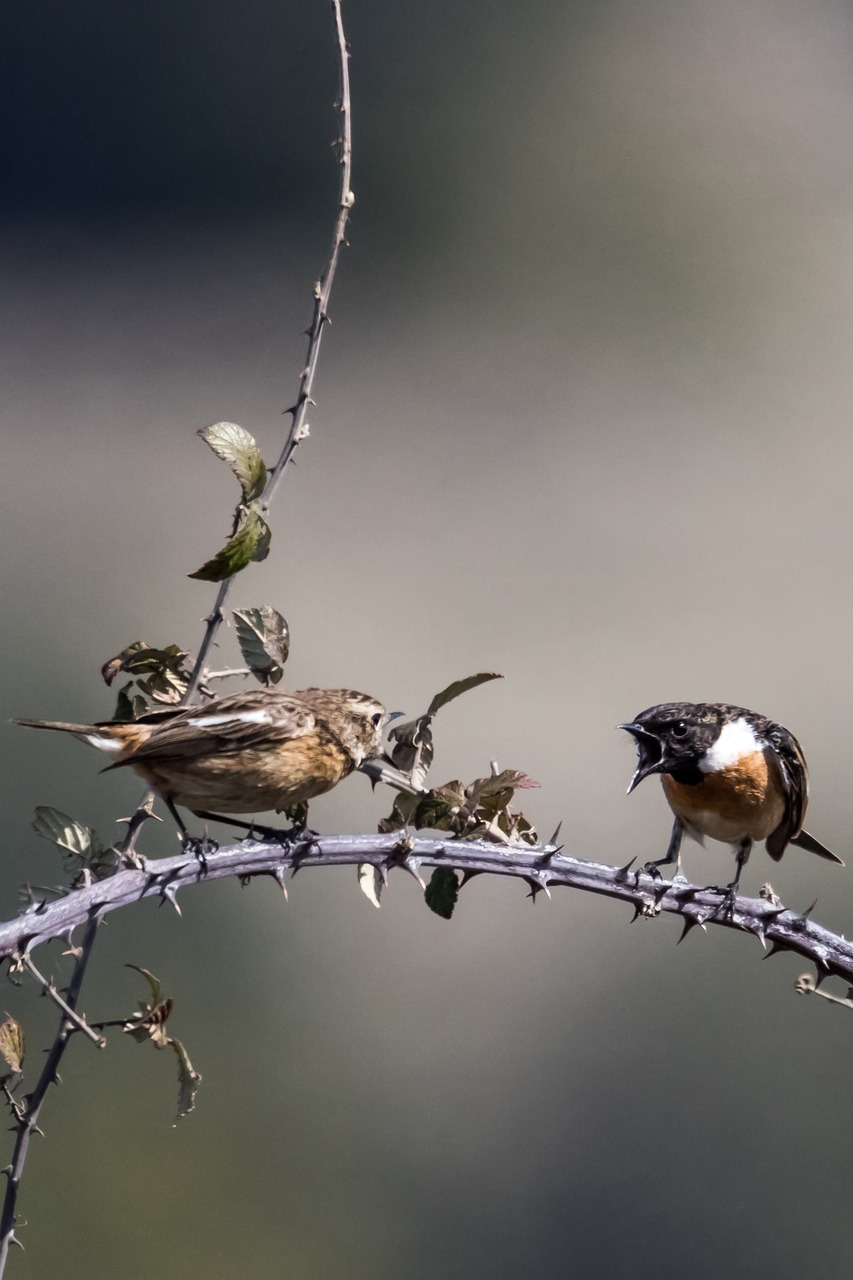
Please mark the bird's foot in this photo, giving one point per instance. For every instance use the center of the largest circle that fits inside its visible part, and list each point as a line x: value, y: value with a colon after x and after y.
x: 728, y: 895
x: 199, y: 847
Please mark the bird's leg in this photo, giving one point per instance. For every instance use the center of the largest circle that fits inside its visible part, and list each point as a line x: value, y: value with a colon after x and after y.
x: 198, y: 846
x: 253, y: 828
x: 673, y: 853
x: 742, y: 853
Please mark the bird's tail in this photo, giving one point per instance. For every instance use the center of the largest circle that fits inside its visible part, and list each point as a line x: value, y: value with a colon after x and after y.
x: 807, y: 842
x: 96, y: 735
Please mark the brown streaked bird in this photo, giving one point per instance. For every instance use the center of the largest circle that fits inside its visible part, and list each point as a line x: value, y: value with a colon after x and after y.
x: 244, y: 753
x: 727, y: 773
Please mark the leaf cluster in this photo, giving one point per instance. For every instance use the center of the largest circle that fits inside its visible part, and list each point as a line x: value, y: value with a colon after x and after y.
x: 156, y: 675
x: 149, y: 1024
x: 472, y: 811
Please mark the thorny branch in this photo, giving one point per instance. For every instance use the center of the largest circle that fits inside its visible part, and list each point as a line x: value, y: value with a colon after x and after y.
x: 27, y: 1111
x: 543, y: 868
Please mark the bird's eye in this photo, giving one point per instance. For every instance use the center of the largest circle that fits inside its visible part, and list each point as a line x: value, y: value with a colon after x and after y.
x: 679, y: 729
x: 377, y: 719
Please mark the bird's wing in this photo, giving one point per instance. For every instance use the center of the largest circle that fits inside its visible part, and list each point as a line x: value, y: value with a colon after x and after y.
x: 228, y: 724
x: 795, y: 775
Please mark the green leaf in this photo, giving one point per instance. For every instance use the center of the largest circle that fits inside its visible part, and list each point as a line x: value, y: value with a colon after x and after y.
x: 460, y: 686
x: 12, y: 1044
x: 59, y: 829
x: 234, y: 445
x: 264, y: 641
x: 442, y: 892
x: 250, y: 542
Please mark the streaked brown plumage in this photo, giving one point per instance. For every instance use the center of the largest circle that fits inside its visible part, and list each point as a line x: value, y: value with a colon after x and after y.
x: 244, y: 753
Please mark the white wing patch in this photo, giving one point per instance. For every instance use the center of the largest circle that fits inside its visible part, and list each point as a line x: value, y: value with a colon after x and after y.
x: 240, y: 717
x: 737, y: 739
x: 103, y: 743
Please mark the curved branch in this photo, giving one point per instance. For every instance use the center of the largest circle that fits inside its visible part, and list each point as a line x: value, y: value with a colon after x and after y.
x: 320, y: 318
x: 543, y: 868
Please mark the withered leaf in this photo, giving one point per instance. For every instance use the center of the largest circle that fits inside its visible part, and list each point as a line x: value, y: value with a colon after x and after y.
x: 370, y: 882
x: 413, y: 749
x: 161, y: 675
x: 188, y: 1080
x: 264, y: 640
x: 442, y: 892
x: 460, y: 686
x: 401, y: 814
x: 234, y: 445
x: 154, y: 984
x: 12, y: 1045
x: 250, y: 542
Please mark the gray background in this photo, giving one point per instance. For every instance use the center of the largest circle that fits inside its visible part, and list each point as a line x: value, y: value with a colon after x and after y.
x: 583, y: 419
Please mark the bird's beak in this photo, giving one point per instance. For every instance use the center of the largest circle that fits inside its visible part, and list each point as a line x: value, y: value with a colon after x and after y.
x: 649, y: 753
x: 393, y: 715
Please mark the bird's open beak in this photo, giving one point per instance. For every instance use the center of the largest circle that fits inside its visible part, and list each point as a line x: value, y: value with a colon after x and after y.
x: 649, y: 753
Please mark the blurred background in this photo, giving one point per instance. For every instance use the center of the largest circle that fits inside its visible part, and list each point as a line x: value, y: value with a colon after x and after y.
x: 583, y: 419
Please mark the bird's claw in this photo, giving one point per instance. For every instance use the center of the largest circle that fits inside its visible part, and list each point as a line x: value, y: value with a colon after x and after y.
x: 651, y: 869
x: 199, y: 847
x: 728, y: 896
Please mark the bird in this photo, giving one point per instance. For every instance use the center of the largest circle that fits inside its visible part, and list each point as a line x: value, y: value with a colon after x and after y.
x: 727, y: 773
x: 243, y: 753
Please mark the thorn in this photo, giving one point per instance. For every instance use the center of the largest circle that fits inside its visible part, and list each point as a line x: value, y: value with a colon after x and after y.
x: 413, y: 866
x: 805, y: 915
x: 776, y: 948
x: 689, y: 923
x: 760, y: 934
x: 623, y: 871
x: 555, y: 837
x: 467, y: 875
x: 538, y: 884
x: 279, y: 876
x: 170, y: 891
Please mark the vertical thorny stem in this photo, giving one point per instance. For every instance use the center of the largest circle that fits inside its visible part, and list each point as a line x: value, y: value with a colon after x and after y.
x: 27, y: 1120
x: 322, y: 292
x: 27, y: 1112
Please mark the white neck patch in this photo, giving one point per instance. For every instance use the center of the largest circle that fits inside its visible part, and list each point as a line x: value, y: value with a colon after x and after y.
x: 737, y: 739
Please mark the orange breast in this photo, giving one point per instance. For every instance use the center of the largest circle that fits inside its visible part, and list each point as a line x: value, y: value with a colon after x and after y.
x: 746, y: 798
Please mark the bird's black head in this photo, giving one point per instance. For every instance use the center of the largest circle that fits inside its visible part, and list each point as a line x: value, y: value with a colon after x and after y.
x: 673, y: 737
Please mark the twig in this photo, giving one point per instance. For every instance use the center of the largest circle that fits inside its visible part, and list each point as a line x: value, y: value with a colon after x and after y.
x: 542, y: 868
x: 80, y: 1024
x: 53, y: 993
x: 320, y: 318
x: 27, y: 1115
